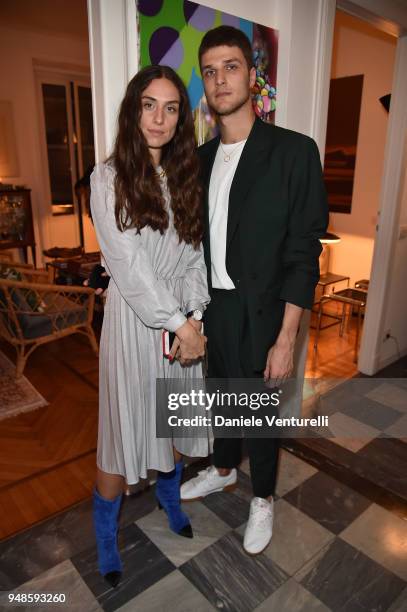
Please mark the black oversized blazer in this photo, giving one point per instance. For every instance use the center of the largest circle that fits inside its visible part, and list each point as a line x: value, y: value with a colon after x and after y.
x: 277, y: 213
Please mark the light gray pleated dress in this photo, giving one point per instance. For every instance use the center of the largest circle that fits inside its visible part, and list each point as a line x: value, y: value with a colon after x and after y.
x: 153, y: 278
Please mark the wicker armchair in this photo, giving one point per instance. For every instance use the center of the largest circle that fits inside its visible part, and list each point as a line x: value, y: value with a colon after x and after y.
x: 34, y: 312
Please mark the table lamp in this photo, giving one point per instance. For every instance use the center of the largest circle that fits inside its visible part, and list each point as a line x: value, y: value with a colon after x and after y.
x: 327, y: 239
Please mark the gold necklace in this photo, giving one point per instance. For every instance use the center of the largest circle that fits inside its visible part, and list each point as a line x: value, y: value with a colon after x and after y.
x: 227, y: 156
x: 161, y: 174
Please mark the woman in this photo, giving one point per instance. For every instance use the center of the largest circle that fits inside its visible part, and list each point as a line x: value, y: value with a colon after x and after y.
x: 146, y: 207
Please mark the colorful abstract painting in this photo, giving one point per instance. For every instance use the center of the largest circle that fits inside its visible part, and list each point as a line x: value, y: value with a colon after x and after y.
x: 170, y: 34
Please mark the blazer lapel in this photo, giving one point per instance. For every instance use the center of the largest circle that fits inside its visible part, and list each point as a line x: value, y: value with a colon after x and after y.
x: 207, y: 161
x: 245, y: 175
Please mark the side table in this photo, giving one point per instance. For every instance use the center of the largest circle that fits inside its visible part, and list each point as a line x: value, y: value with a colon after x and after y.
x: 326, y: 280
x: 349, y: 298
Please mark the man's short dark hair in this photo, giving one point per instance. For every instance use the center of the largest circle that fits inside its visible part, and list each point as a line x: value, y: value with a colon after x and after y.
x: 230, y: 37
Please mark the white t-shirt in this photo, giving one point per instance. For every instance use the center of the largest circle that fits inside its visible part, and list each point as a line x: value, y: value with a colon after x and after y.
x: 219, y: 189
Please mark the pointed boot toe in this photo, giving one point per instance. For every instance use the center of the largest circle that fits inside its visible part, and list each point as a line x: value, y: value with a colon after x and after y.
x: 113, y: 578
x: 186, y: 532
x: 168, y: 498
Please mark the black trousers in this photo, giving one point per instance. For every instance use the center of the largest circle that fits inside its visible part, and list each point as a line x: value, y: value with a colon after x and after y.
x: 229, y: 356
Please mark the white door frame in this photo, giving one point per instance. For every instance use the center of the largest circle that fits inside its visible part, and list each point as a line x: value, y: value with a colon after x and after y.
x: 113, y: 45
x: 388, y: 228
x: 393, y: 170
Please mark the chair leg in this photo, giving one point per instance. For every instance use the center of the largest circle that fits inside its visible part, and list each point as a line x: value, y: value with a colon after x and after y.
x: 320, y: 312
x: 343, y: 319
x: 357, y: 334
x: 21, y: 362
x: 92, y: 339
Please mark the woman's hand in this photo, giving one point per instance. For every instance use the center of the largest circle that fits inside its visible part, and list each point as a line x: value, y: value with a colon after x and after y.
x: 174, y: 352
x: 192, y: 343
x: 195, y: 324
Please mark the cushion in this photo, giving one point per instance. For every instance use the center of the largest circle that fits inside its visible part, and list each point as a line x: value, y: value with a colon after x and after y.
x: 54, y: 312
x: 25, y: 299
x: 58, y: 313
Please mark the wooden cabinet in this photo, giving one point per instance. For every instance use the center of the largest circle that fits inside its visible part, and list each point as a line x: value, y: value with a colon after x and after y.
x: 16, y: 221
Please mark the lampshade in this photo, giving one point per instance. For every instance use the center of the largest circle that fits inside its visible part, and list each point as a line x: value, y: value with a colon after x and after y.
x: 329, y: 238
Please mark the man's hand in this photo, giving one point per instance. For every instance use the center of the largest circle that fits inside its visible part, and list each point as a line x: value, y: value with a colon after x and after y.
x: 280, y: 358
x: 280, y: 361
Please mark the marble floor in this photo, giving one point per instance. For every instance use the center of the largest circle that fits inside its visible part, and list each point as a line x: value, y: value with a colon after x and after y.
x: 332, y: 549
x: 339, y: 541
x: 364, y: 446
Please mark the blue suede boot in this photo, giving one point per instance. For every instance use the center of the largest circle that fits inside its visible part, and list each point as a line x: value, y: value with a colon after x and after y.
x: 105, y: 520
x: 167, y: 492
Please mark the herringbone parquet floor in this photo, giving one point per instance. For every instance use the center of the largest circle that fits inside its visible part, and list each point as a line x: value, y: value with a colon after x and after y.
x: 47, y: 457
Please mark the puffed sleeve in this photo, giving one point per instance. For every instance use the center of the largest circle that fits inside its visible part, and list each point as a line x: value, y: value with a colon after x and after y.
x: 195, y: 290
x: 127, y: 261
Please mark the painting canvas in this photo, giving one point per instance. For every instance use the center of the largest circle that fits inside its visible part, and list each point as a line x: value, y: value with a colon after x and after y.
x: 345, y: 97
x: 170, y: 34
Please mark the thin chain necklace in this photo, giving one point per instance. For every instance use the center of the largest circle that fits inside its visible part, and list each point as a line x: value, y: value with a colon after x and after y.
x: 161, y: 174
x: 227, y: 156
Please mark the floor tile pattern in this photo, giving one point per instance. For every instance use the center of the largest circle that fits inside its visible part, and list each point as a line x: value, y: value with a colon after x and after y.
x: 332, y: 550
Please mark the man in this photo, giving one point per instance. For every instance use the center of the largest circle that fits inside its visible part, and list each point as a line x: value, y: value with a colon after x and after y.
x: 265, y: 210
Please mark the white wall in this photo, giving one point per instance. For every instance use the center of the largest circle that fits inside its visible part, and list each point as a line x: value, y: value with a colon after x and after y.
x: 361, y: 49
x: 17, y: 50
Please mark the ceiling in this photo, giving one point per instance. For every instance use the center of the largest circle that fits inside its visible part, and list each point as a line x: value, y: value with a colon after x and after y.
x: 60, y: 17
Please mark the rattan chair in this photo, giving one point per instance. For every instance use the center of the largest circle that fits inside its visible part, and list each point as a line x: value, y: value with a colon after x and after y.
x: 34, y: 312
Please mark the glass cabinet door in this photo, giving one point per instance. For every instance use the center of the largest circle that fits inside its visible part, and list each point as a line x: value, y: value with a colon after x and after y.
x: 57, y: 137
x: 86, y: 157
x: 69, y: 138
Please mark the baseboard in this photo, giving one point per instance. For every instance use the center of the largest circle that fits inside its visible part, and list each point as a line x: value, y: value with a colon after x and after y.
x: 383, y: 363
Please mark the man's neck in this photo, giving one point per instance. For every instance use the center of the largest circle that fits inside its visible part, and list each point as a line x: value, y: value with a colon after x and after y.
x: 236, y: 127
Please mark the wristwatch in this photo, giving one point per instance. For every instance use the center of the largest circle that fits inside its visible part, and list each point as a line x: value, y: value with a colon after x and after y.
x: 195, y: 314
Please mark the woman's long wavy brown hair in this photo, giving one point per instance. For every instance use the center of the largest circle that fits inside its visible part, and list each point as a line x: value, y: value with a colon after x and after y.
x: 139, y: 200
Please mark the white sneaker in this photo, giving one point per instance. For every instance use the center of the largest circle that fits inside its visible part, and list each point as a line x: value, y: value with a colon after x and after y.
x: 259, y: 528
x: 208, y: 481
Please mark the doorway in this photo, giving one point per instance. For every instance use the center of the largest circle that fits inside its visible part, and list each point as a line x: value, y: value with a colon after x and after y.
x: 363, y: 62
